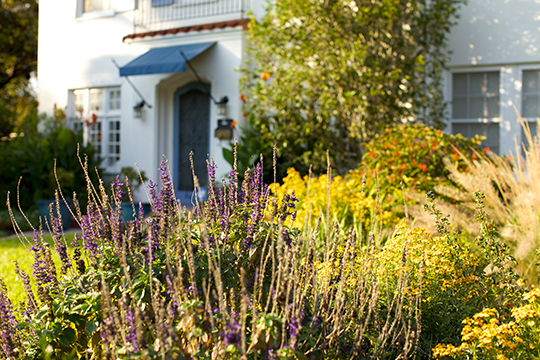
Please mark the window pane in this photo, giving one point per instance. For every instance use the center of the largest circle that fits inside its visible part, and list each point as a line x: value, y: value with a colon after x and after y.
x: 493, y: 82
x: 459, y: 84
x: 492, y: 104
x: 530, y: 106
x: 459, y: 109
x: 114, y: 99
x: 477, y: 85
x: 78, y: 102
x: 489, y: 130
x: 530, y: 81
x: 476, y: 107
x: 462, y: 129
x: 96, y: 99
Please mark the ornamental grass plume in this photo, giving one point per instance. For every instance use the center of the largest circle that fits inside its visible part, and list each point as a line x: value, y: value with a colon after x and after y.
x: 233, y: 278
x: 512, y: 198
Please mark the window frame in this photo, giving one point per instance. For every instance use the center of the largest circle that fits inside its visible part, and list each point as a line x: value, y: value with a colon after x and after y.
x: 477, y: 120
x: 105, y: 115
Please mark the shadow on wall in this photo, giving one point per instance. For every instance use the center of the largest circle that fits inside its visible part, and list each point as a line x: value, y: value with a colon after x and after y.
x: 495, y: 32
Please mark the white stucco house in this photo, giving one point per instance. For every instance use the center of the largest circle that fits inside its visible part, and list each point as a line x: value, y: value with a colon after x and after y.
x: 144, y: 78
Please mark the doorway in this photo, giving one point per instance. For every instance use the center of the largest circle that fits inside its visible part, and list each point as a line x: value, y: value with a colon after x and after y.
x: 191, y: 133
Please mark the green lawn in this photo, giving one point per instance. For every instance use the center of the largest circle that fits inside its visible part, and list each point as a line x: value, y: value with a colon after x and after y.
x: 13, y: 250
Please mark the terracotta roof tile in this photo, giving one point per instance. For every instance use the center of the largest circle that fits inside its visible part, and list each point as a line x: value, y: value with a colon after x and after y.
x: 218, y: 25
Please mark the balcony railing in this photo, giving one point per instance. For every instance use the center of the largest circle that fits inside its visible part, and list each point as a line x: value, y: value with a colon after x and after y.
x: 178, y: 13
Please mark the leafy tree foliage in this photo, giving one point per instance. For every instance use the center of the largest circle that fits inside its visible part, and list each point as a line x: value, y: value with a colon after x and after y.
x: 18, y: 59
x: 331, y: 74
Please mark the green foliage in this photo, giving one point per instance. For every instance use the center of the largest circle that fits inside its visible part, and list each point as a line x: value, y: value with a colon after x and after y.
x: 33, y: 157
x: 402, y: 158
x: 414, y: 155
x: 18, y: 59
x: 332, y: 74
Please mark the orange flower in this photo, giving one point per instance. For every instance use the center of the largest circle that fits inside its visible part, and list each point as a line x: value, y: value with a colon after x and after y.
x: 434, y: 147
x: 233, y: 124
x: 455, y: 157
x: 243, y: 98
x: 474, y: 157
x: 265, y: 76
x: 486, y: 149
x: 403, y: 166
x: 423, y: 167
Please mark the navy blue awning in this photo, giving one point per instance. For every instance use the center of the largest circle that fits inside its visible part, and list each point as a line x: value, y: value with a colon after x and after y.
x: 164, y: 60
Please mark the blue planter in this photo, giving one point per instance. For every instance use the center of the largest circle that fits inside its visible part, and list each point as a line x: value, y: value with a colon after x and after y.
x: 127, y: 210
x: 43, y: 208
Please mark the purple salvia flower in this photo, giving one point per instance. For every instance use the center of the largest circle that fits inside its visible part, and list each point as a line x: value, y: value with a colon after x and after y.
x: 8, y: 323
x: 60, y: 245
x: 131, y: 336
x: 231, y: 333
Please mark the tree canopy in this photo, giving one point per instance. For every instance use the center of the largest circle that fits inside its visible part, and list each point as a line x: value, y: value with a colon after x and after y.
x: 18, y: 60
x: 331, y: 74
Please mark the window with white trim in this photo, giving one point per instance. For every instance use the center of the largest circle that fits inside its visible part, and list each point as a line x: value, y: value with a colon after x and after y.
x: 476, y: 106
x: 96, y: 112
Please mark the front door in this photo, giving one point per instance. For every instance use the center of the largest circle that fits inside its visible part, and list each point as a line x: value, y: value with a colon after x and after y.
x: 192, y: 133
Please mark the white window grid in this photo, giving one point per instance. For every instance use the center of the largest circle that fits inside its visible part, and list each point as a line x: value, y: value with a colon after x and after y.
x: 475, y: 105
x: 113, y: 155
x: 97, y: 112
x: 476, y: 95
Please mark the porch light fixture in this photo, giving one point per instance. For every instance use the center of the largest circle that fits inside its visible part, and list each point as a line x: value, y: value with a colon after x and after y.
x: 222, y: 106
x: 137, y: 109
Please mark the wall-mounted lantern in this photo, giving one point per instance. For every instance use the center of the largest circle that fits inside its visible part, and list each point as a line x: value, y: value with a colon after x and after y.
x: 222, y: 107
x: 225, y: 128
x: 137, y: 109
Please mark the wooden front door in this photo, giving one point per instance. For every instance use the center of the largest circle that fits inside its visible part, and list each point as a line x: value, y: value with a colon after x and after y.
x: 193, y: 134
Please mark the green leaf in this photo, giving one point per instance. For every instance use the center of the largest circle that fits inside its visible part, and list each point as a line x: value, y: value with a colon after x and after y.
x: 91, y: 326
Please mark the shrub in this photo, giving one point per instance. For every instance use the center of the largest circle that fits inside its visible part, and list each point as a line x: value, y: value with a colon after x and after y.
x: 492, y: 335
x: 414, y: 155
x: 35, y: 156
x: 229, y: 280
x: 405, y: 157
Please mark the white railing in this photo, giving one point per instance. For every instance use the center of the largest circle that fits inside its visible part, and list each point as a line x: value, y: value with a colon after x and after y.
x: 177, y: 13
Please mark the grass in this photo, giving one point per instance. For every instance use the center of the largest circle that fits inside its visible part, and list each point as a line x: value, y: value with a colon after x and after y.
x: 11, y: 250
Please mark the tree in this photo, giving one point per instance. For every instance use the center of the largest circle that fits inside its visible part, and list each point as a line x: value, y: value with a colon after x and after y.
x: 18, y: 60
x: 330, y: 74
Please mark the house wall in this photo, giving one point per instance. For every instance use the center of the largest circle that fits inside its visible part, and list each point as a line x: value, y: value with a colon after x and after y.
x: 76, y: 52
x: 502, y: 36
